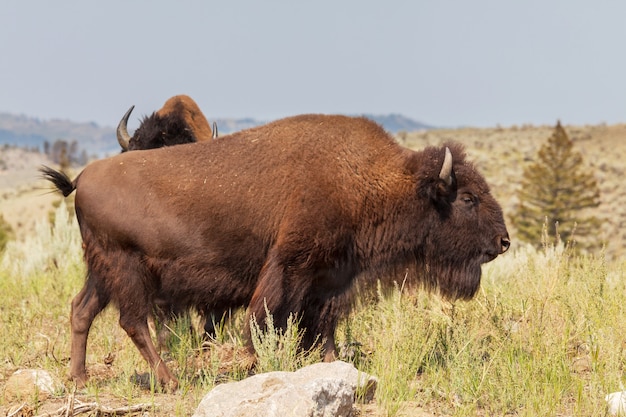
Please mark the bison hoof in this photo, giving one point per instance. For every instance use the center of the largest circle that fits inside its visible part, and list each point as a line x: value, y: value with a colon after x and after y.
x: 147, y: 381
x: 80, y: 381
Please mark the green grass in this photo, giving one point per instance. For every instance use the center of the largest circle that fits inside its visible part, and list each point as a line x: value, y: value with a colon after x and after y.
x: 545, y: 335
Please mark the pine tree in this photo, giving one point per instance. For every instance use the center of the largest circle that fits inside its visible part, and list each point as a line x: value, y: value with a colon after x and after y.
x: 557, y: 190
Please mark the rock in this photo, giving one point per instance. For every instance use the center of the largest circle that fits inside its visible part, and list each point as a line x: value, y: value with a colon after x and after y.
x: 27, y: 384
x: 319, y: 390
x: 616, y: 403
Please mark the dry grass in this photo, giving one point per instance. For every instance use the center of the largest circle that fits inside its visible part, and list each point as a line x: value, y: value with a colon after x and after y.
x: 544, y: 336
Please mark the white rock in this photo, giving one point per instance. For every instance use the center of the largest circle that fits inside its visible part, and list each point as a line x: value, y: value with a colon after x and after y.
x: 616, y: 402
x: 320, y: 390
x: 26, y: 384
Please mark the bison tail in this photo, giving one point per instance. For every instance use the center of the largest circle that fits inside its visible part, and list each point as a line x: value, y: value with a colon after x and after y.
x: 60, y: 180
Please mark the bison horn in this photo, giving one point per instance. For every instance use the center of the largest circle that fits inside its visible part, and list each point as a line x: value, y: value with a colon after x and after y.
x: 446, y: 168
x: 214, y: 130
x: 122, y: 132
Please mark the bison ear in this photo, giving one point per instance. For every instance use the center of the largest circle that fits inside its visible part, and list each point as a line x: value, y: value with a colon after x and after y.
x: 445, y: 187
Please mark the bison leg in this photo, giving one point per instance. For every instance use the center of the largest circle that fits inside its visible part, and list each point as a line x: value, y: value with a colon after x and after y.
x: 166, y: 312
x: 211, y: 319
x: 320, y: 319
x: 268, y: 294
x: 137, y: 329
x: 330, y: 350
x: 317, y: 319
x: 85, y: 307
x: 135, y: 293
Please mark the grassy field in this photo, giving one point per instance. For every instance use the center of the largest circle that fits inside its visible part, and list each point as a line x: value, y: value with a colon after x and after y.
x: 544, y: 336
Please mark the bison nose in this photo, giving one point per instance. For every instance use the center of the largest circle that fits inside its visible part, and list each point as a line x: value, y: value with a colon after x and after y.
x: 505, y: 243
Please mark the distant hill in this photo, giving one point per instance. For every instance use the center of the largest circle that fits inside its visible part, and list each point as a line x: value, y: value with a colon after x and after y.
x: 395, y: 123
x: 31, y: 132
x: 392, y: 123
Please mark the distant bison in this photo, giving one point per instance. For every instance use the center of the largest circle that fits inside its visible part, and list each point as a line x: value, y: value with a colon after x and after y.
x: 180, y: 120
x: 293, y: 215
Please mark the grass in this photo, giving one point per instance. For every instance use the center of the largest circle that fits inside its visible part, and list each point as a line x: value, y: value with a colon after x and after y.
x: 545, y: 335
x: 277, y: 350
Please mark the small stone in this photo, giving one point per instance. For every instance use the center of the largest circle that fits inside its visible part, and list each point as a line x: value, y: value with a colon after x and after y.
x: 616, y: 403
x: 30, y: 384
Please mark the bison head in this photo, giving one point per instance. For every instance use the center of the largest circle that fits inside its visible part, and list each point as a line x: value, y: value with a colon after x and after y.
x: 467, y: 227
x: 178, y: 121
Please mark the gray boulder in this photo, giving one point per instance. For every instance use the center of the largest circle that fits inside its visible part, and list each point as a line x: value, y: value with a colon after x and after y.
x: 319, y: 390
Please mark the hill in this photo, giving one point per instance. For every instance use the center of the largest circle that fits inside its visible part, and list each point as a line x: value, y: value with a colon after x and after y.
x: 396, y: 123
x: 31, y: 132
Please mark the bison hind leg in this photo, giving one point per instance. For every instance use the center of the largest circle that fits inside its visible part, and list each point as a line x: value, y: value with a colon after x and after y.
x: 137, y: 329
x: 135, y: 308
x: 86, y: 305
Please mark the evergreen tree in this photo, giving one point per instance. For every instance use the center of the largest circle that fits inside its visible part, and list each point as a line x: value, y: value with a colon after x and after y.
x: 557, y: 191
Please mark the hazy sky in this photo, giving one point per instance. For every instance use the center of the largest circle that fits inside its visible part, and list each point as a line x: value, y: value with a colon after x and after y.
x: 444, y: 63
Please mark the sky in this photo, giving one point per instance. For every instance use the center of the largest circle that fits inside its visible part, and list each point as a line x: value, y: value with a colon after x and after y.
x: 446, y: 63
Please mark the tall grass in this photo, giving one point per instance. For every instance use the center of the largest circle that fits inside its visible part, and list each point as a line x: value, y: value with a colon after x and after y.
x: 277, y: 349
x: 545, y: 335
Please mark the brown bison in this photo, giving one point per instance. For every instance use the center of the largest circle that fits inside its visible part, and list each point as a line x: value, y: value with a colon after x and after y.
x: 292, y: 215
x: 180, y: 120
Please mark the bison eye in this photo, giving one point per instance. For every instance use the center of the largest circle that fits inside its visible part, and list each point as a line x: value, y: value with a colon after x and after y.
x: 469, y: 199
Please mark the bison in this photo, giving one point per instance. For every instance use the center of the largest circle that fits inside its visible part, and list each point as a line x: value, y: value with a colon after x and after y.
x: 180, y: 120
x: 293, y: 216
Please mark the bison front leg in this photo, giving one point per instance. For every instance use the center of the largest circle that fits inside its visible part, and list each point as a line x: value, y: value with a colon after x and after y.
x: 323, y: 323
x: 317, y: 318
x: 85, y: 307
x: 316, y: 298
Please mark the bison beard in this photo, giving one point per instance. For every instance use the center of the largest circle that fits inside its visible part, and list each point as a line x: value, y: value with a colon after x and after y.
x: 293, y: 215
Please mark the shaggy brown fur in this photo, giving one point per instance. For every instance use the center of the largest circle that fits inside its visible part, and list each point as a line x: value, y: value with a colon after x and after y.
x: 293, y: 215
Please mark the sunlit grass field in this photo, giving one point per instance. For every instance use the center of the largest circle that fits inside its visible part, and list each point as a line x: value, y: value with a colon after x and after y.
x: 545, y: 336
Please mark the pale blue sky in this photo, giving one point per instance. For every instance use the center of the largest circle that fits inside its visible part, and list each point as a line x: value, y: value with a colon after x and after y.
x: 445, y: 63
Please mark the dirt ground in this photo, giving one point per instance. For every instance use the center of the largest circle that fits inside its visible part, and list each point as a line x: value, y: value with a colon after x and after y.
x: 106, y: 403
x: 157, y: 405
